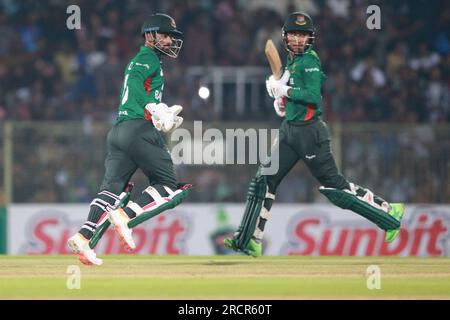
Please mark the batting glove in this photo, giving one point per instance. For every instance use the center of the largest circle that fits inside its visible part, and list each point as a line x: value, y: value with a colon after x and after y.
x: 278, y: 88
x: 159, y: 116
x: 177, y: 120
x: 280, y: 106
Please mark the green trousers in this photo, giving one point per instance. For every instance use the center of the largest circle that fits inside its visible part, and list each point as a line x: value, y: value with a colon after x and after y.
x: 311, y: 143
x: 134, y: 144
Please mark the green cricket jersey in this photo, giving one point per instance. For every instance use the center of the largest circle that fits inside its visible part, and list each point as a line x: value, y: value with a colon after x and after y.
x: 305, y: 101
x: 144, y: 83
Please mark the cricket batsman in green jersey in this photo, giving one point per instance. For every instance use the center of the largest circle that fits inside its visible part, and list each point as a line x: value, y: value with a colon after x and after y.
x: 304, y: 136
x: 135, y: 141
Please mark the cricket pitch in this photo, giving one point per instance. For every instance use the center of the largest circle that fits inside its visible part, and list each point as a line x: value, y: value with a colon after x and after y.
x: 224, y: 277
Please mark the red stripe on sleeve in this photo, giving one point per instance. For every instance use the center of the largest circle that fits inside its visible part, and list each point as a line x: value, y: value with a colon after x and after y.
x: 148, y: 84
x: 148, y: 88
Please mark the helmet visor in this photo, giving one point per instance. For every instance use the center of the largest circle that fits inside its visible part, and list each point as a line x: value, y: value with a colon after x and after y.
x: 172, y: 50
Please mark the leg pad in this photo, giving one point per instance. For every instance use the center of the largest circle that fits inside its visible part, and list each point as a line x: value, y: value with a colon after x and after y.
x: 347, y: 200
x: 256, y: 193
x: 171, y: 201
x: 104, y: 223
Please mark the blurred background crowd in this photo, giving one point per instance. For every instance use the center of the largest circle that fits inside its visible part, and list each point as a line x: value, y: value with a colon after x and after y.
x: 398, y: 74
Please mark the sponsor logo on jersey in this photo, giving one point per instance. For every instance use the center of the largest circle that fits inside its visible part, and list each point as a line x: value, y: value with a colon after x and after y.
x: 143, y: 65
x: 312, y: 70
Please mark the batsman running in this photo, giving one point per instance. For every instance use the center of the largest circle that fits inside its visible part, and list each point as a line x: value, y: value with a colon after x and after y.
x: 135, y: 141
x: 304, y: 136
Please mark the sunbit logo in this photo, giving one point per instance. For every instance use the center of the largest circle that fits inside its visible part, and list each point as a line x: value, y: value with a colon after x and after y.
x: 164, y: 234
x: 423, y: 233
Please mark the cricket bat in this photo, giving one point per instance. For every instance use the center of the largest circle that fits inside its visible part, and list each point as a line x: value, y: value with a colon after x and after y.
x: 274, y: 59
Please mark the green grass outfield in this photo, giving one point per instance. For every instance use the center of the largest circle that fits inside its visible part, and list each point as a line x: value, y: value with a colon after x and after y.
x: 224, y: 277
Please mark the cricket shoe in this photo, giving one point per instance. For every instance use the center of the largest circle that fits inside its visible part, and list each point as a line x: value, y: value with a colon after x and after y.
x: 80, y: 246
x: 397, y: 210
x: 231, y: 244
x: 254, y: 247
x: 119, y: 219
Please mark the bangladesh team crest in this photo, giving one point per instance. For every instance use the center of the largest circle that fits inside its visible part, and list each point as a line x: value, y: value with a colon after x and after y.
x: 300, y: 20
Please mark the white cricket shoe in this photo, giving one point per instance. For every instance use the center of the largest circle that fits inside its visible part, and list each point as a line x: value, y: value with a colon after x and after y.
x: 80, y: 246
x: 119, y: 219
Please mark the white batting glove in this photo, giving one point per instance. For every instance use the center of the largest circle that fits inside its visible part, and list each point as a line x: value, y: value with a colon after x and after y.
x: 158, y: 112
x: 177, y: 120
x: 175, y: 109
x: 280, y: 106
x: 268, y: 88
x: 278, y: 88
x: 164, y: 118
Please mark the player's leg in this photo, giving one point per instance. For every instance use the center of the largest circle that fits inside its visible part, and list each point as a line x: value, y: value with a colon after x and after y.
x: 339, y: 191
x: 260, y: 197
x: 118, y: 170
x: 163, y: 193
x: 104, y: 222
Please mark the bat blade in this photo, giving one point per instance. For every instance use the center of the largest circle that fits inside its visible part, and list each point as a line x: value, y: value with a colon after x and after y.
x: 274, y: 59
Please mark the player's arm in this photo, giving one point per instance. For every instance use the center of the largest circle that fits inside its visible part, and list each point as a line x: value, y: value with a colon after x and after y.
x: 138, y: 74
x: 310, y: 92
x: 139, y: 79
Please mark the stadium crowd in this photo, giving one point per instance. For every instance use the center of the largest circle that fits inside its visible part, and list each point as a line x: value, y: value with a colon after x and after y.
x: 398, y: 74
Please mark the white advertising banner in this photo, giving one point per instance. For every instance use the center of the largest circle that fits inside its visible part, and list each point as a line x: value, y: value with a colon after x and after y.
x: 199, y: 229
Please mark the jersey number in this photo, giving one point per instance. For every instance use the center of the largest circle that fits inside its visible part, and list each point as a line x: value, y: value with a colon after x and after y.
x: 125, y: 90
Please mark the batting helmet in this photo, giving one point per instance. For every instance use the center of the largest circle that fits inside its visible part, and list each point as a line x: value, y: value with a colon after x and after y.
x: 160, y: 22
x: 298, y: 21
x: 163, y: 23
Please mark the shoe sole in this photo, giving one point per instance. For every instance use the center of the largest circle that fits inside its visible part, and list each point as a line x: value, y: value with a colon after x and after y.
x: 118, y: 229
x: 395, y: 235
x: 84, y: 260
x: 229, y: 244
x: 252, y: 253
x: 392, y: 238
x: 81, y: 257
x: 249, y: 253
x: 122, y: 239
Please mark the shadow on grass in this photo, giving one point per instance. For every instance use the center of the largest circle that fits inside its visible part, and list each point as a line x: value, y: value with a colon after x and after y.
x: 225, y: 263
